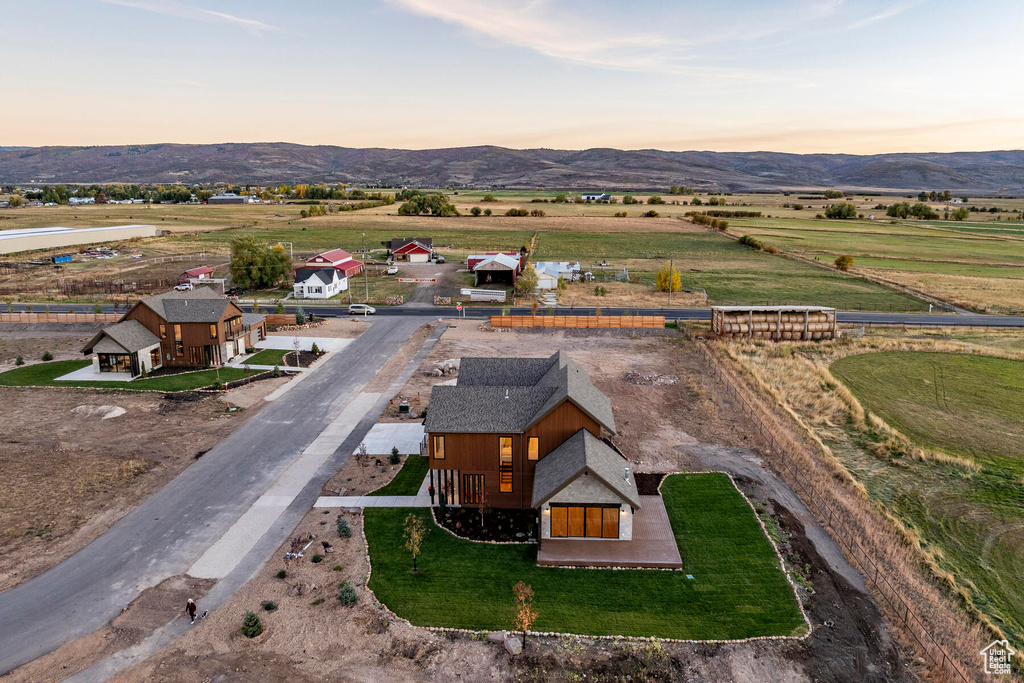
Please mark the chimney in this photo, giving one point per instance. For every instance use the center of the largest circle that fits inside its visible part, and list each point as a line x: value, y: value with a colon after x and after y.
x: 625, y: 476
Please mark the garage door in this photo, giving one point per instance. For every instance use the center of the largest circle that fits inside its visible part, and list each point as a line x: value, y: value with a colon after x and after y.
x: 419, y: 258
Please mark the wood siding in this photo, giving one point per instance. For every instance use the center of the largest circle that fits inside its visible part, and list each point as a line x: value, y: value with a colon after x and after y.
x: 478, y: 453
x: 192, y: 334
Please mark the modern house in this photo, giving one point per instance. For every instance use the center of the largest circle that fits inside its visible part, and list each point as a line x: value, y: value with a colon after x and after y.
x: 526, y: 433
x: 339, y: 259
x: 411, y: 254
x: 494, y: 268
x: 124, y: 347
x: 548, y: 273
x: 197, y: 328
x: 194, y: 275
x: 318, y: 283
x: 595, y: 197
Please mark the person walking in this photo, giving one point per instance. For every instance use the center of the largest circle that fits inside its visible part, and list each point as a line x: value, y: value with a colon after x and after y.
x: 190, y: 609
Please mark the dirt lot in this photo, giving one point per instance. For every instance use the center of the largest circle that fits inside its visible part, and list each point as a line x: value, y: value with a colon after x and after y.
x: 74, y: 461
x: 667, y: 415
x: 338, y: 328
x: 31, y: 341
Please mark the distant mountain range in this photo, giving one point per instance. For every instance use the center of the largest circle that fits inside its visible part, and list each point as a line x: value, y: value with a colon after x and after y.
x: 500, y: 167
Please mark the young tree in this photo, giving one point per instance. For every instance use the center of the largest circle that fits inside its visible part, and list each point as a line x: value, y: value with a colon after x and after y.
x: 487, y: 212
x: 524, y: 616
x: 844, y: 262
x: 527, y: 280
x: 476, y: 211
x: 668, y: 279
x: 414, y: 533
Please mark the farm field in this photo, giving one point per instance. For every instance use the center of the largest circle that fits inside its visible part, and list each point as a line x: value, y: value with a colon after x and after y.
x: 738, y: 591
x: 945, y: 456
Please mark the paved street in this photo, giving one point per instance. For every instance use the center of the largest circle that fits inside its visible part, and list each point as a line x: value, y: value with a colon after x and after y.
x: 173, y: 529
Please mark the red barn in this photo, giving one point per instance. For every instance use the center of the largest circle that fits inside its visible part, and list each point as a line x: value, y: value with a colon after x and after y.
x: 338, y: 259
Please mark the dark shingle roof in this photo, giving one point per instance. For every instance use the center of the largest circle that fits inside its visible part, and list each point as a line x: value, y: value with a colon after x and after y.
x: 130, y: 335
x: 583, y: 452
x: 200, y: 305
x: 467, y: 407
x: 324, y: 275
x: 250, y: 319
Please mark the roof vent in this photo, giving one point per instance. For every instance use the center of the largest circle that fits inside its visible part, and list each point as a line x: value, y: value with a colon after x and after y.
x: 506, y: 394
x: 626, y: 475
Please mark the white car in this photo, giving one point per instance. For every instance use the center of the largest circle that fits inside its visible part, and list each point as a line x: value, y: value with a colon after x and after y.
x: 361, y: 309
x: 392, y: 270
x: 184, y: 287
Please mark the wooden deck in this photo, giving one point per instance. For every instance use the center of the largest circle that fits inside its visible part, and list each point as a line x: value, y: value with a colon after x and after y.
x: 653, y: 544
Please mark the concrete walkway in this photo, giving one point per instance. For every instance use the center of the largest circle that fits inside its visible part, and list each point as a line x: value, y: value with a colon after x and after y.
x: 420, y: 500
x: 268, y: 471
x: 89, y: 374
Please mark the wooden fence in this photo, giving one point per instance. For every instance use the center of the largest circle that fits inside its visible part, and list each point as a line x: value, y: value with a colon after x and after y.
x: 59, y: 317
x: 580, y: 321
x: 281, y: 319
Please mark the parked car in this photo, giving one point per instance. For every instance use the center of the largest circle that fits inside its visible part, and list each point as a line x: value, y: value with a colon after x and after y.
x: 439, y: 259
x: 392, y: 270
x: 361, y: 309
x: 184, y: 287
x: 235, y: 291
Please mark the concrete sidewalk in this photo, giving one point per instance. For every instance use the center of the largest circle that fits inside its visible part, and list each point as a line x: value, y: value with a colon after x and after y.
x: 420, y: 500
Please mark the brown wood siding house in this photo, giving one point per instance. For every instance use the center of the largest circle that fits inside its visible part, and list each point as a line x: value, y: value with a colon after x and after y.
x: 197, y: 328
x: 533, y: 405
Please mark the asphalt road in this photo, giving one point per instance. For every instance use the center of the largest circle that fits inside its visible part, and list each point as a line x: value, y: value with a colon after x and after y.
x: 167, y: 533
x: 421, y: 310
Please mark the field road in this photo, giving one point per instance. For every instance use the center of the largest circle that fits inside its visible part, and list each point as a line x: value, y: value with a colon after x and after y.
x: 171, y: 530
x: 480, y: 312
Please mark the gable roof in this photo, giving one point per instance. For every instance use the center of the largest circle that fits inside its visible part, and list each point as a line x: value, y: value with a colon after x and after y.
x: 325, y: 275
x: 200, y: 305
x: 334, y: 256
x: 583, y: 452
x: 396, y: 243
x: 201, y: 270
x: 497, y: 261
x: 129, y: 335
x: 348, y: 264
x: 513, y: 394
x: 410, y: 246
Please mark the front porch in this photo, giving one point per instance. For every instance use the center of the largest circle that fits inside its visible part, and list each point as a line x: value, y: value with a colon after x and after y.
x: 653, y: 545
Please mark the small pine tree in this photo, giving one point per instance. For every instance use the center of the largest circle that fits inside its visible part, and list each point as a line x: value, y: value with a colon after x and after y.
x: 251, y: 625
x: 47, y: 356
x: 97, y: 309
x: 19, y: 361
x: 344, y: 530
x: 394, y: 457
x: 347, y: 595
x: 300, y: 316
x: 314, y: 348
x: 279, y: 310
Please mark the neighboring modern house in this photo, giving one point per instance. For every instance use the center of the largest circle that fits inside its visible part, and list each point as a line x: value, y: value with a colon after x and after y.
x: 126, y: 347
x: 396, y: 243
x: 193, y: 329
x: 495, y: 268
x: 193, y: 275
x: 548, y: 273
x: 413, y: 252
x: 595, y: 197
x: 318, y: 283
x: 335, y: 258
x: 526, y: 433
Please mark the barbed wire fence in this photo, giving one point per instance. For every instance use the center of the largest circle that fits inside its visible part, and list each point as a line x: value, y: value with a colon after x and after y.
x: 784, y: 449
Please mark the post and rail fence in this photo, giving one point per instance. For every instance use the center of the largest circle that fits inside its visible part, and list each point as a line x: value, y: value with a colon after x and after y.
x: 784, y: 449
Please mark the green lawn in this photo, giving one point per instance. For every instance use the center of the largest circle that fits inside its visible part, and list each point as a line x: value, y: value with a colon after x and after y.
x: 973, y: 522
x: 268, y: 357
x: 738, y: 590
x: 730, y: 272
x: 408, y: 480
x: 45, y: 374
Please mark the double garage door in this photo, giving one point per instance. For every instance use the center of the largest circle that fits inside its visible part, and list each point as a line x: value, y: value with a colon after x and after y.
x: 570, y: 521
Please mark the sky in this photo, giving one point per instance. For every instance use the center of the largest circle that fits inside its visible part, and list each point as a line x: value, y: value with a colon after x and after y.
x: 851, y: 76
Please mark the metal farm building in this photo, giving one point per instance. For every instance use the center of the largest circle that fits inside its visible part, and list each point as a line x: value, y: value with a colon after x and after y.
x: 31, y: 239
x: 798, y: 323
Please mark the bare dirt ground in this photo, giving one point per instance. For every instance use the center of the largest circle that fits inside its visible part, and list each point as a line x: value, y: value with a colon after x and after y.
x: 32, y: 340
x: 68, y: 474
x: 670, y: 417
x: 359, y: 476
x: 338, y: 328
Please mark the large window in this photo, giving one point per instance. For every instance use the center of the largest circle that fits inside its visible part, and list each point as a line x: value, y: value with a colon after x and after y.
x: 576, y: 521
x: 505, y: 464
x: 533, y: 448
x: 213, y: 330
x: 114, y: 362
x: 154, y: 357
x: 438, y: 448
x: 163, y: 331
x: 472, y: 489
x: 179, y: 345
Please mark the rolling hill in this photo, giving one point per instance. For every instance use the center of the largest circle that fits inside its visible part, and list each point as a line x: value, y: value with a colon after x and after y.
x: 488, y: 166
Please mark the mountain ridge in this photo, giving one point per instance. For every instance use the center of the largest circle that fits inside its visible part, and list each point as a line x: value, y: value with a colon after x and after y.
x: 487, y: 166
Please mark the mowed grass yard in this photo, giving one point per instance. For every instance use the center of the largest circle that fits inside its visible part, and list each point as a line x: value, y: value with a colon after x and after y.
x: 45, y: 375
x: 966, y: 405
x: 738, y: 590
x: 408, y: 480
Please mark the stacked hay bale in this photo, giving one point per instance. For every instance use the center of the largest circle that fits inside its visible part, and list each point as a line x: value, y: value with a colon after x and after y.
x: 774, y: 323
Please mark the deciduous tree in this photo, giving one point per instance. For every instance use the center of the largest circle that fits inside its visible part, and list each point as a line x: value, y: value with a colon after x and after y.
x: 414, y: 533
x: 524, y: 616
